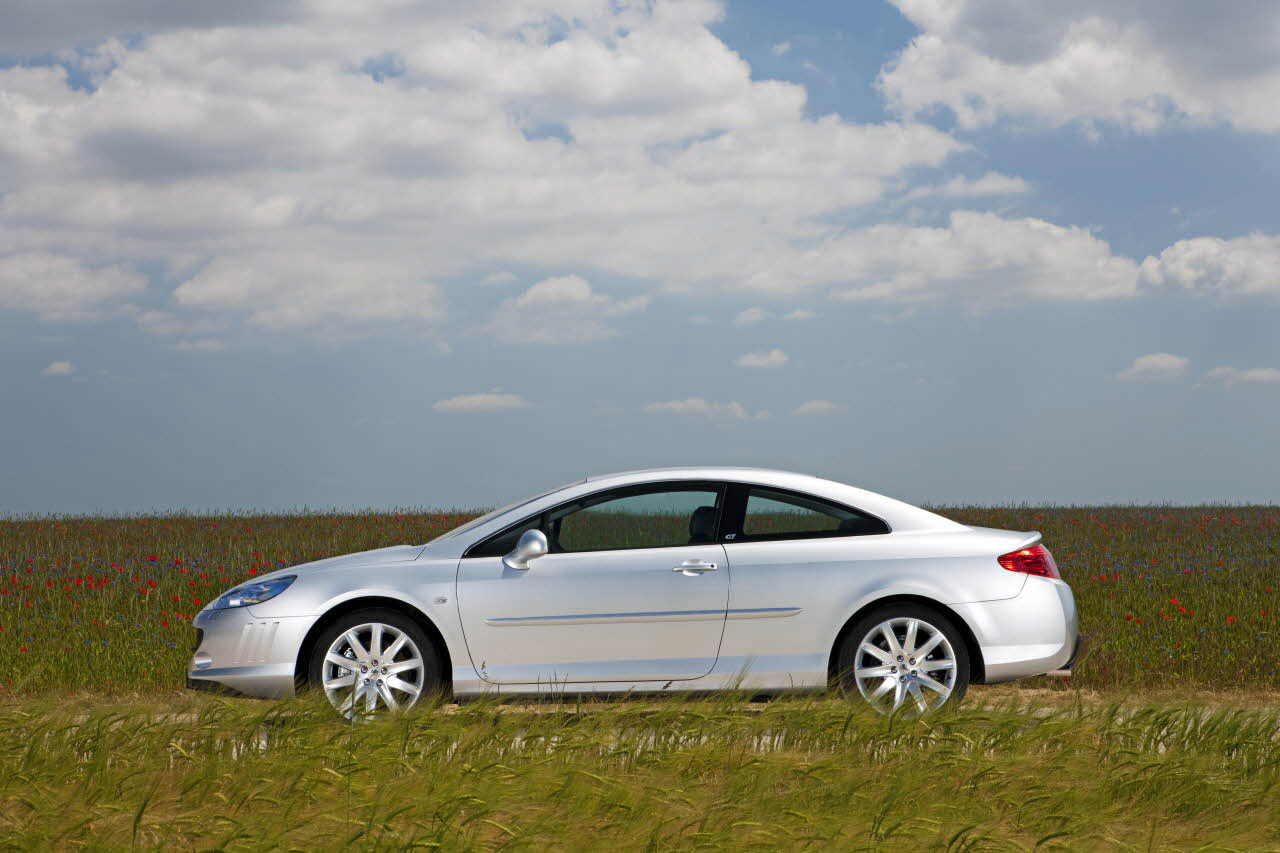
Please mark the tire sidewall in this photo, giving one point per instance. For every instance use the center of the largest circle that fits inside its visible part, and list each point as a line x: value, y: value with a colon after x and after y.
x: 432, y: 678
x: 853, y: 638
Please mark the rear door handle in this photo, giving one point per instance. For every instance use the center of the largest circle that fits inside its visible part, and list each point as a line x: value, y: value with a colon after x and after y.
x: 694, y: 567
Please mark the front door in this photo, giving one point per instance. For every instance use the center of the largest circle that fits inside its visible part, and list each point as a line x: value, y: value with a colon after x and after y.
x: 635, y: 589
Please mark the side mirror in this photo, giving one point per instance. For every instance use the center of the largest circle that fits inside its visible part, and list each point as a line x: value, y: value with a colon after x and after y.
x: 532, y: 544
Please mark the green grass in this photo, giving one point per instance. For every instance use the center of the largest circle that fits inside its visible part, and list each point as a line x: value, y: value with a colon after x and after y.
x: 1167, y: 595
x: 675, y: 774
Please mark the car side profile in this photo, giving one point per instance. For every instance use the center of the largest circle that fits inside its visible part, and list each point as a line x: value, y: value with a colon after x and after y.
x: 654, y: 581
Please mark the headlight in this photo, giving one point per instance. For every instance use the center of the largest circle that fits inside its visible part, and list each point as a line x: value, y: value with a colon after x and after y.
x: 253, y: 593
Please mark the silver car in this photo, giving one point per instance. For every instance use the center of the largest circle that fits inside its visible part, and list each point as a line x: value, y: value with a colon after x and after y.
x: 661, y: 580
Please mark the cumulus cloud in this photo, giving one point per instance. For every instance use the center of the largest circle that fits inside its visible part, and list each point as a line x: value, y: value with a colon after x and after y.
x: 732, y: 410
x: 59, y: 368
x: 1155, y: 365
x: 770, y: 358
x: 560, y: 310
x: 800, y: 314
x: 815, y: 407
x: 1244, y: 266
x: 979, y: 259
x: 319, y: 165
x: 750, y: 316
x: 315, y: 165
x: 1140, y: 64
x: 1232, y: 375
x: 489, y: 401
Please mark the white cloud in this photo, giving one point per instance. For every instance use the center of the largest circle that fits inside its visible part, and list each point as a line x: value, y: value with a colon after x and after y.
x: 705, y: 408
x: 560, y: 310
x: 59, y: 368
x: 815, y: 407
x: 201, y: 345
x: 489, y: 401
x: 170, y: 324
x: 59, y: 288
x: 247, y: 156
x: 1232, y: 375
x: 1155, y: 365
x: 289, y: 290
x: 1244, y: 266
x: 979, y: 260
x: 750, y: 316
x: 771, y: 358
x: 990, y: 184
x: 1140, y: 64
x: 800, y: 314
x: 782, y: 48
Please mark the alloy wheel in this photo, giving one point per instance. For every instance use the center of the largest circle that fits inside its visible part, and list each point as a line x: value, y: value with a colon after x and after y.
x: 905, y: 661
x: 371, y: 667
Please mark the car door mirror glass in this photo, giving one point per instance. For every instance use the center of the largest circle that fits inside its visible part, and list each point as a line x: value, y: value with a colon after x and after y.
x: 531, y: 545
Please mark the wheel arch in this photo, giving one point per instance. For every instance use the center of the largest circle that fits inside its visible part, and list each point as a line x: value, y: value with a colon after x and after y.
x: 301, y: 664
x: 977, y: 667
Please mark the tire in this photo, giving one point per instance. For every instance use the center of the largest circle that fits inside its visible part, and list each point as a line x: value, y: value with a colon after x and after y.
x: 366, y: 682
x: 878, y: 676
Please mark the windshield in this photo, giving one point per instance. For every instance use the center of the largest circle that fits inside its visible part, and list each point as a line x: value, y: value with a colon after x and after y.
x: 476, y: 522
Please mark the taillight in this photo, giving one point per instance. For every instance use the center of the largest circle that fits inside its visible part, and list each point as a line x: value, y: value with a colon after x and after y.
x: 1035, y: 560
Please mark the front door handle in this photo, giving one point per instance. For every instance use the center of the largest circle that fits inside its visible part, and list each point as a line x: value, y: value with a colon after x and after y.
x: 694, y: 567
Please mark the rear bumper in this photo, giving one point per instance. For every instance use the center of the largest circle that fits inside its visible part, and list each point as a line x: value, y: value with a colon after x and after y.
x: 1032, y: 633
x: 248, y: 655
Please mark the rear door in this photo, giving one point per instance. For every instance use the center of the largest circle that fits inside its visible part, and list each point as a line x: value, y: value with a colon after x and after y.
x: 635, y: 588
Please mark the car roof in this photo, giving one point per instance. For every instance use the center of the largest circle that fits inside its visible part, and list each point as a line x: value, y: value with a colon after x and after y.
x: 901, y: 517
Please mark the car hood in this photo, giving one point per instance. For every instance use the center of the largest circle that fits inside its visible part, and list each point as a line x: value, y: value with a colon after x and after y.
x: 378, y: 557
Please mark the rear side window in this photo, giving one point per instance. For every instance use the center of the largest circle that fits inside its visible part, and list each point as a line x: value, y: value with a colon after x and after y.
x: 772, y: 514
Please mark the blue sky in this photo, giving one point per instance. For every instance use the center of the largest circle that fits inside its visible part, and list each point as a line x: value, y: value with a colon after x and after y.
x: 966, y: 251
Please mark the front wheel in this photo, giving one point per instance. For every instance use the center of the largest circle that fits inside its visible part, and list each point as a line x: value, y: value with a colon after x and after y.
x: 904, y: 656
x: 373, y: 660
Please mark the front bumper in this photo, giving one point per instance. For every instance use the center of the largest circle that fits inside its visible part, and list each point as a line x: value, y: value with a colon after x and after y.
x: 1032, y: 633
x: 249, y: 655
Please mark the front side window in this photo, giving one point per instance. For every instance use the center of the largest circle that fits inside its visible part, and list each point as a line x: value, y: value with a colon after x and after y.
x: 774, y: 514
x: 501, y: 544
x: 655, y: 518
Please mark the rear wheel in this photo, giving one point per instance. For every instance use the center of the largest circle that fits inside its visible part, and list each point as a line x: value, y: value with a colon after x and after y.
x: 904, y: 656
x: 372, y: 661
